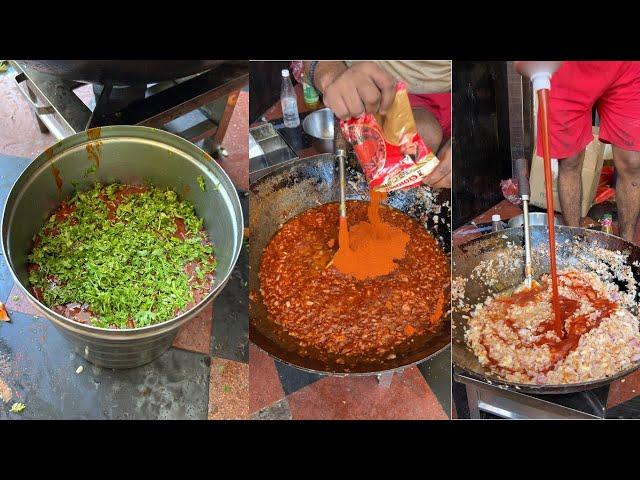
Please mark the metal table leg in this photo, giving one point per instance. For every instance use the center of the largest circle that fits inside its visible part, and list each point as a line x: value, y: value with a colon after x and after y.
x: 384, y: 379
x: 472, y: 399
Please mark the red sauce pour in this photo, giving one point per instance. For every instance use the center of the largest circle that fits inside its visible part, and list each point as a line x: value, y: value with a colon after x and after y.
x: 543, y: 99
x: 94, y: 150
x: 56, y: 175
x: 94, y: 133
x: 577, y: 325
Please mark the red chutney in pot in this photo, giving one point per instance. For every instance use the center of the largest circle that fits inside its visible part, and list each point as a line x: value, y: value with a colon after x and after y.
x: 334, y: 316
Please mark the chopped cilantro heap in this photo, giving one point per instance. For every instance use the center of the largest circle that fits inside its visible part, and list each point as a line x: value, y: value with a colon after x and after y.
x: 128, y: 267
x: 201, y: 183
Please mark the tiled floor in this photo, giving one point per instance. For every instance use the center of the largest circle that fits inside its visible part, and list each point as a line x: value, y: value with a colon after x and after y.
x: 205, y: 374
x: 624, y: 394
x: 280, y: 392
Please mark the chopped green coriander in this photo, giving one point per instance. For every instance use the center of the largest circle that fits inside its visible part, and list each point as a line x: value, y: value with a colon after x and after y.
x: 201, y: 183
x: 132, y: 255
x: 17, y: 407
x: 16, y: 299
x: 92, y: 169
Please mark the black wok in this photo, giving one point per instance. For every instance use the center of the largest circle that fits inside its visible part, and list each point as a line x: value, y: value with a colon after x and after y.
x: 292, y: 189
x: 121, y: 72
x: 576, y: 247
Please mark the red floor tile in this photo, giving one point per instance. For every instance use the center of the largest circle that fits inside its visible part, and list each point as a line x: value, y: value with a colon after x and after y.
x: 266, y: 388
x: 409, y: 397
x: 18, y: 302
x: 228, y: 390
x: 624, y: 389
x: 195, y: 336
x: 237, y: 144
x: 19, y: 132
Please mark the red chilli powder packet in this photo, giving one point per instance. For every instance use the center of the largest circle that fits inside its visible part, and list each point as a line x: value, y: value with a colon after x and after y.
x: 389, y: 148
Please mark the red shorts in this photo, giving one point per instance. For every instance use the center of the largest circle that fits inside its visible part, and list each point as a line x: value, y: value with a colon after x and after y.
x: 614, y: 89
x: 439, y: 104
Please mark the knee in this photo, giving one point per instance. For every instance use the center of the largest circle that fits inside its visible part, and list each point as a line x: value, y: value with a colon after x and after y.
x: 432, y: 136
x: 570, y: 165
x: 429, y: 129
x: 628, y: 163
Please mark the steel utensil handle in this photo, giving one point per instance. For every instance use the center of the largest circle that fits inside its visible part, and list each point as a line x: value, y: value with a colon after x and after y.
x: 340, y: 145
x: 522, y: 175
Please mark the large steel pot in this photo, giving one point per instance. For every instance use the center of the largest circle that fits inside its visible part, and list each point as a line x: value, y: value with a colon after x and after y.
x: 292, y: 189
x: 128, y: 154
x: 502, y: 252
x: 121, y: 72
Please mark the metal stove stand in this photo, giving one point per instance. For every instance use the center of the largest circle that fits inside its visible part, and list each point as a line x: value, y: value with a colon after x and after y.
x: 214, y: 93
x: 512, y: 404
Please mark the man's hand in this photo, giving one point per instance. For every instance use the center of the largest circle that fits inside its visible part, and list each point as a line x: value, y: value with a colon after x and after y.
x: 441, y: 175
x: 365, y: 87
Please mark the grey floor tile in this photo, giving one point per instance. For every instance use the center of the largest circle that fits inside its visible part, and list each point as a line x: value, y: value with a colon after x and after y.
x: 293, y: 379
x: 39, y: 366
x: 230, y: 332
x: 277, y: 411
x: 437, y: 373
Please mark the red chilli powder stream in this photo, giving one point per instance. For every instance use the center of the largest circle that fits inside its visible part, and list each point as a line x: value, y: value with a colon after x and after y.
x: 369, y: 249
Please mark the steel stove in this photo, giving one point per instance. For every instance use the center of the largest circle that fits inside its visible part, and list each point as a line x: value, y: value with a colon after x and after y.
x: 197, y: 108
x: 512, y: 404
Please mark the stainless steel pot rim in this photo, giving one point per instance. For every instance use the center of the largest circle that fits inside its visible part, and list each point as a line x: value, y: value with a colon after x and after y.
x: 137, y: 132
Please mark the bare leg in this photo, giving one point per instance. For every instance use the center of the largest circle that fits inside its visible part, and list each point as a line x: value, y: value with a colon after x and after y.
x: 570, y: 188
x: 627, y: 190
x: 428, y: 128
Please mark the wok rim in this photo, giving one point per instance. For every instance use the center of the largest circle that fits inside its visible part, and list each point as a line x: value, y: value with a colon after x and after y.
x: 124, y: 334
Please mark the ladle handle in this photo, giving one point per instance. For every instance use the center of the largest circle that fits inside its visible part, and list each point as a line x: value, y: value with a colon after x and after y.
x: 340, y: 148
x: 522, y: 175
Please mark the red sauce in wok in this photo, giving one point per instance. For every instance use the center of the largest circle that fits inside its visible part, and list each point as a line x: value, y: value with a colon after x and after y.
x: 335, y: 317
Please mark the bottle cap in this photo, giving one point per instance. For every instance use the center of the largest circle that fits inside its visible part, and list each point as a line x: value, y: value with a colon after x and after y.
x: 285, y: 72
x: 541, y: 81
x: 495, y: 218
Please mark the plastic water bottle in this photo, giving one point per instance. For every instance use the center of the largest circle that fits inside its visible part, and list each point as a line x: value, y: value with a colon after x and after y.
x: 289, y: 102
x: 496, y: 223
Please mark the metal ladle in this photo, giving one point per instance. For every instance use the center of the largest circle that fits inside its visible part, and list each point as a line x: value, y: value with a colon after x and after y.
x: 340, y: 148
x: 522, y: 174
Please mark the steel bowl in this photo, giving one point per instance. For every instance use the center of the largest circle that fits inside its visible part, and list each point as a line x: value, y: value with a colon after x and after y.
x: 319, y: 125
x: 133, y: 155
x: 535, y: 219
